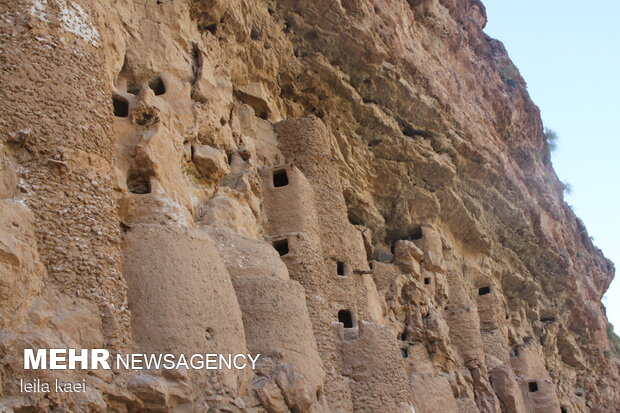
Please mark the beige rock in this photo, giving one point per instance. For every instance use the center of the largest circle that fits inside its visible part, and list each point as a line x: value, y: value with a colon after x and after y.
x: 8, y: 177
x: 298, y: 394
x: 226, y: 211
x: 151, y: 390
x: 408, y: 256
x: 21, y: 271
x: 430, y: 243
x: 211, y: 163
x: 269, y: 395
x: 209, y: 88
x: 432, y: 394
x: 507, y: 389
x: 255, y: 95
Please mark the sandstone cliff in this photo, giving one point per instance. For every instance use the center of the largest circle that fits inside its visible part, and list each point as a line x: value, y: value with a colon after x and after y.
x: 360, y: 191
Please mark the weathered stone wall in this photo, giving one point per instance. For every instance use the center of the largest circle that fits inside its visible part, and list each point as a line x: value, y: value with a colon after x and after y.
x: 358, y: 190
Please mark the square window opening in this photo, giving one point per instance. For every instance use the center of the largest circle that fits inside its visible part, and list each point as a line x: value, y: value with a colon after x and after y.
x: 280, y: 179
x: 281, y: 246
x: 157, y: 86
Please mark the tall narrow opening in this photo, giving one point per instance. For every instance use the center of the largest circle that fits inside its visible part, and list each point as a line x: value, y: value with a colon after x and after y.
x: 138, y: 182
x: 340, y: 268
x: 196, y: 62
x: 404, y: 351
x: 281, y: 246
x: 157, y: 85
x: 484, y: 290
x: 427, y: 280
x: 344, y: 317
x: 121, y: 107
x: 280, y: 178
x: 532, y: 386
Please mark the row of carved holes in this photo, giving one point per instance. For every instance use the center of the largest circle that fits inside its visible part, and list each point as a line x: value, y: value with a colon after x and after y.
x: 344, y: 316
x: 281, y: 246
x: 280, y: 179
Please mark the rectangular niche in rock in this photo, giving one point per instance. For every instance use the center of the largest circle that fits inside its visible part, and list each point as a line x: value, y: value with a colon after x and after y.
x: 121, y: 106
x: 281, y: 246
x: 345, y: 317
x: 280, y: 178
x: 157, y: 86
x: 138, y: 182
x: 340, y: 269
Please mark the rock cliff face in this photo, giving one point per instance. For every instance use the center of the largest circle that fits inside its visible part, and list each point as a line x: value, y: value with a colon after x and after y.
x: 360, y: 191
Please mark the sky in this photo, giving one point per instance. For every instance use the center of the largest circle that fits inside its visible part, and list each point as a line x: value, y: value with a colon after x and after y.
x: 568, y: 52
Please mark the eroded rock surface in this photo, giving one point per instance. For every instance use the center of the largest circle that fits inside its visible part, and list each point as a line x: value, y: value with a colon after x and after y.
x: 358, y: 190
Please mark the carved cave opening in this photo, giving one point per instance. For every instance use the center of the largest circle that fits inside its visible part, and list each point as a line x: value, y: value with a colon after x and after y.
x: 157, y: 86
x: 345, y: 317
x: 281, y: 246
x: 138, y: 182
x: 280, y: 179
x: 340, y: 270
x: 121, y: 107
